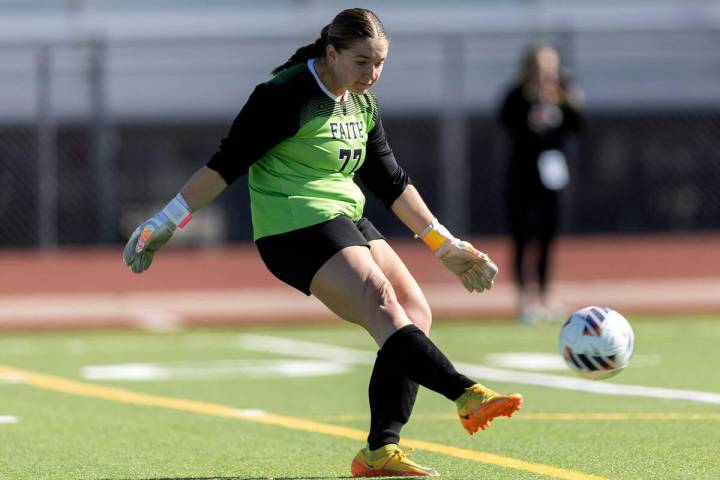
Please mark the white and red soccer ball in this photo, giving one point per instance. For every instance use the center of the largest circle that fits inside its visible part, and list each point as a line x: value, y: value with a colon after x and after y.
x: 596, y: 342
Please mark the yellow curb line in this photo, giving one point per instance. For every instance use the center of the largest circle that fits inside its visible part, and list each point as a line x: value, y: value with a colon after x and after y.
x: 126, y: 396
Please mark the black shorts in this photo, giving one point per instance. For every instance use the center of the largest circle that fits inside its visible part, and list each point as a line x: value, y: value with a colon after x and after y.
x: 295, y: 257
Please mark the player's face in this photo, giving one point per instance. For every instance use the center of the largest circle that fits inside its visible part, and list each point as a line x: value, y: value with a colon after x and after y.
x: 357, y: 68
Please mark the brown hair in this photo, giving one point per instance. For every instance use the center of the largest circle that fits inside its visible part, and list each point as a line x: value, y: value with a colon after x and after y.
x: 347, y: 27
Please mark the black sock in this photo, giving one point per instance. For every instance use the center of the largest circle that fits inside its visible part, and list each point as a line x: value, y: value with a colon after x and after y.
x: 416, y: 356
x: 407, y: 358
x: 392, y: 398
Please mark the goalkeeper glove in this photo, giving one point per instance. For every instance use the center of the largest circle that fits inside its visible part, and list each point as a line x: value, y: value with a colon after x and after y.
x: 474, y: 268
x: 155, y: 232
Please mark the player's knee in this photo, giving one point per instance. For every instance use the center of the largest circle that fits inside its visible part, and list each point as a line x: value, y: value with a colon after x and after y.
x: 420, y: 314
x: 385, y: 295
x: 380, y: 295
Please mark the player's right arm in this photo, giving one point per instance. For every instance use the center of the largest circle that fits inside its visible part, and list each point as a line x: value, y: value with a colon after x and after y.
x: 261, y: 124
x: 202, y: 188
x: 153, y: 233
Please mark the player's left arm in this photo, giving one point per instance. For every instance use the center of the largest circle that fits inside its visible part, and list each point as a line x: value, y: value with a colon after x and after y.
x: 382, y: 175
x: 474, y: 268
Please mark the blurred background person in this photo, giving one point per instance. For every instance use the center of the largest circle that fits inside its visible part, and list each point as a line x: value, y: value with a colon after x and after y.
x: 541, y: 112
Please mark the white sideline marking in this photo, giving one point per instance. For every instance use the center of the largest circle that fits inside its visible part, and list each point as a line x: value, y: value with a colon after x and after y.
x: 159, y: 321
x: 214, y: 370
x: 165, y: 309
x: 302, y: 348
x: 5, y: 419
x: 582, y: 385
x: 541, y: 361
x: 527, y: 360
x: 351, y: 355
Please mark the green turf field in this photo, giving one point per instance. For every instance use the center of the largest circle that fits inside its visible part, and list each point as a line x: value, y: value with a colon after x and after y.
x: 258, y: 403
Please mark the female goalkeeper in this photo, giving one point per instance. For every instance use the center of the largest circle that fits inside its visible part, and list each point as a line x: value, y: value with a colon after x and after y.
x: 302, y: 137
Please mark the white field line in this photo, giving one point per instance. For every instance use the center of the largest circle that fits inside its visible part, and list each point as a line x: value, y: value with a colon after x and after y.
x: 161, y: 307
x: 541, y: 361
x: 6, y: 419
x: 619, y: 294
x: 138, y: 305
x: 210, y: 370
x: 164, y: 309
x: 479, y: 372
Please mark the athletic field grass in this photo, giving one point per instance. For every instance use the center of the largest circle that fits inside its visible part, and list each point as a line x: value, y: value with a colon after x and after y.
x: 290, y: 403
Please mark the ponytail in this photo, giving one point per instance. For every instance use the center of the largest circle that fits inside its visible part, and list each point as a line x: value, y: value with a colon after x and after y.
x: 346, y: 28
x: 303, y: 54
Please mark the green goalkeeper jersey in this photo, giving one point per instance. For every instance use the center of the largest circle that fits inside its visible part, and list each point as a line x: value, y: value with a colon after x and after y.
x: 302, y: 148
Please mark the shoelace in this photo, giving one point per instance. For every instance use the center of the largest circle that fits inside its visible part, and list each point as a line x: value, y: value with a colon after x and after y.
x: 486, y: 395
x: 402, y: 455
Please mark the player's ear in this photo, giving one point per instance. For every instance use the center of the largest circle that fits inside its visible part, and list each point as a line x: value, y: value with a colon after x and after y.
x: 330, y: 54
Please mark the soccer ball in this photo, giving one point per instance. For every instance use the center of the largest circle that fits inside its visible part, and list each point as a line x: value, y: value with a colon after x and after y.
x: 596, y: 342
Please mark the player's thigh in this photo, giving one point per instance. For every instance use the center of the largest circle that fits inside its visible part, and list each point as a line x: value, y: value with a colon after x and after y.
x: 407, y: 290
x: 354, y: 287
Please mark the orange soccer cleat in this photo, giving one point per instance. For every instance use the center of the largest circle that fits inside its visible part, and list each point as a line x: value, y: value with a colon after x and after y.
x: 479, y: 405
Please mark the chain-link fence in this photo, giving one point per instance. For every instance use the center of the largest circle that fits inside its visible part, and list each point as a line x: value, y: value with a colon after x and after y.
x: 95, y: 136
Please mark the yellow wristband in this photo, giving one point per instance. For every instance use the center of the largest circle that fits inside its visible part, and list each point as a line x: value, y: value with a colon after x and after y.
x: 435, y: 235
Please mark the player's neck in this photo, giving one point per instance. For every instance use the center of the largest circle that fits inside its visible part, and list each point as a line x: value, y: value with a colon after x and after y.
x: 328, y: 79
